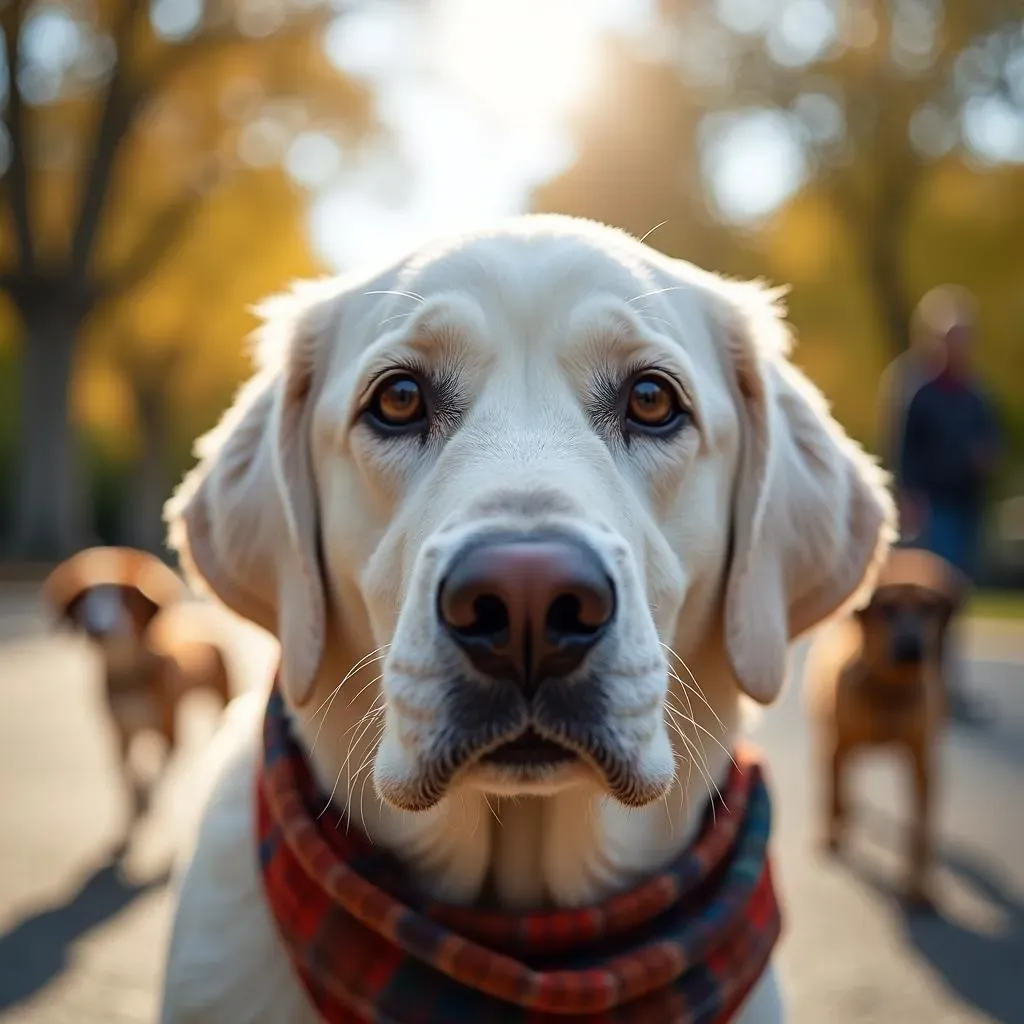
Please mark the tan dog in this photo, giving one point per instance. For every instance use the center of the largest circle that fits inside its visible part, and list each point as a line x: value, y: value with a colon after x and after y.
x: 153, y: 645
x: 875, y: 679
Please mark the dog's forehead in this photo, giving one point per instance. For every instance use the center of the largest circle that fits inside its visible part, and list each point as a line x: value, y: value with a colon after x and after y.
x: 515, y: 292
x: 515, y: 270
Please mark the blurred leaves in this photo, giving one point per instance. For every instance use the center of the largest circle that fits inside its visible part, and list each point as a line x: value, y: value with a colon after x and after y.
x: 904, y: 123
x: 147, y: 201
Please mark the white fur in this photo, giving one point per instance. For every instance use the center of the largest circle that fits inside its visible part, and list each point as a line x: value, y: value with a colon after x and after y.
x: 724, y: 542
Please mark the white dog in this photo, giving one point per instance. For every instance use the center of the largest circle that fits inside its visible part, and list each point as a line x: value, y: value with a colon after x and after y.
x: 506, y: 490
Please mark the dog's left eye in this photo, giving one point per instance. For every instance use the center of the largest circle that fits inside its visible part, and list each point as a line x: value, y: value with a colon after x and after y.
x: 653, y: 407
x: 398, y: 405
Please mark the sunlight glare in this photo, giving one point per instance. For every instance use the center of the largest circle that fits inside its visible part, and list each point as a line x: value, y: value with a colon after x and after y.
x: 519, y: 60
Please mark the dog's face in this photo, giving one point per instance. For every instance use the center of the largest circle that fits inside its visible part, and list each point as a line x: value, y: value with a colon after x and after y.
x: 528, y: 461
x: 111, y: 594
x: 907, y: 617
x: 107, y: 612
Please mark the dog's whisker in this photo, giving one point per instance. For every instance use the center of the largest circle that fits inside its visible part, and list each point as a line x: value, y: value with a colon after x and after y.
x: 710, y: 735
x: 367, y: 764
x: 494, y: 813
x: 367, y: 721
x: 697, y: 754
x: 364, y: 769
x: 709, y: 782
x: 337, y: 690
x: 679, y: 713
x: 372, y: 713
x: 696, y: 688
x: 361, y: 663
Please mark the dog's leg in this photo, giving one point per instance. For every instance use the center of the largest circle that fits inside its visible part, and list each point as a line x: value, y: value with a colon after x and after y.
x: 135, y: 790
x: 835, y: 798
x: 921, y: 829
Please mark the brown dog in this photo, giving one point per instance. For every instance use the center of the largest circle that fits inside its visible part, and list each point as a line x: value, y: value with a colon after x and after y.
x: 132, y: 607
x: 875, y: 679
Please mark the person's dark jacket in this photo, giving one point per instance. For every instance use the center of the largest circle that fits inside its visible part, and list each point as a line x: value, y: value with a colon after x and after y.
x: 950, y: 442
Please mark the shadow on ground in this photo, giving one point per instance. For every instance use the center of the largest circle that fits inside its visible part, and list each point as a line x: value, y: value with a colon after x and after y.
x: 35, y: 951
x: 982, y: 968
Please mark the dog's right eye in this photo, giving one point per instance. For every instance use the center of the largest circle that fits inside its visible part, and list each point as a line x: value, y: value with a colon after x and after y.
x: 398, y: 405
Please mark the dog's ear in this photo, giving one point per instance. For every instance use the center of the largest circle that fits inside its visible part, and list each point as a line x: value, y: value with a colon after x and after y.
x: 147, y: 584
x: 812, y: 516
x: 245, y: 519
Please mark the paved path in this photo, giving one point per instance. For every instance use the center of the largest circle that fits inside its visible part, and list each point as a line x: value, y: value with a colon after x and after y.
x: 82, y: 942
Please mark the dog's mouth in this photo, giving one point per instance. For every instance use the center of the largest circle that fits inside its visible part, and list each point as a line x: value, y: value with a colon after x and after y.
x: 528, y: 751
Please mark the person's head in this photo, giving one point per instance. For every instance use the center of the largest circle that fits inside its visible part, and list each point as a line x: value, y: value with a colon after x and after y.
x: 944, y: 328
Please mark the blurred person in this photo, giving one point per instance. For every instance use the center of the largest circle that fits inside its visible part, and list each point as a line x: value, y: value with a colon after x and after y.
x: 949, y: 451
x: 900, y: 382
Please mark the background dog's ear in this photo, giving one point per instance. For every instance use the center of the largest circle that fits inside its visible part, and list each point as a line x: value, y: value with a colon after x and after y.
x: 245, y: 519
x: 812, y: 515
x: 147, y: 584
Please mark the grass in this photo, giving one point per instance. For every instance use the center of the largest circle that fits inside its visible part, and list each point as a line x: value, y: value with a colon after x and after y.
x: 997, y: 604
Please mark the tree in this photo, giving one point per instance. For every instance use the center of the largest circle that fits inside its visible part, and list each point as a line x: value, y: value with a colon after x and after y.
x: 160, y: 364
x: 883, y: 100
x: 122, y: 121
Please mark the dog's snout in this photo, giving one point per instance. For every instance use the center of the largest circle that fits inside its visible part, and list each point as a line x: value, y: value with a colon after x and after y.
x: 907, y: 649
x: 526, y: 607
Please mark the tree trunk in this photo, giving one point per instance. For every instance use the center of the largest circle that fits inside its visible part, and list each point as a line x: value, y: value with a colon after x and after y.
x: 50, y: 517
x: 149, y: 487
x: 886, y: 276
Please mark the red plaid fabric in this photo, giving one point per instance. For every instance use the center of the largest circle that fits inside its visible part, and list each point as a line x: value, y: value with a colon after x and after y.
x: 685, y: 947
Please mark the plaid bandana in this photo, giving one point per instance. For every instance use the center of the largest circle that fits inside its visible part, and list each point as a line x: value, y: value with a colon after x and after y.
x: 684, y: 947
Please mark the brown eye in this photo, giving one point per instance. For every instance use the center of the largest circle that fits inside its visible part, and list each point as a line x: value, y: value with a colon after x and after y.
x: 653, y: 407
x: 398, y: 404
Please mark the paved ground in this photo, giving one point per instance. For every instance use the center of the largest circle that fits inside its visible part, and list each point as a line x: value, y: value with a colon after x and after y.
x: 82, y: 942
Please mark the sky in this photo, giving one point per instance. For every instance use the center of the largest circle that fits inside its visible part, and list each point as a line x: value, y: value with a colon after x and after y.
x: 476, y: 113
x: 476, y: 95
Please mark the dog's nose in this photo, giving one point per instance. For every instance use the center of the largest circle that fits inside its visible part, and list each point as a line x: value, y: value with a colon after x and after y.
x: 526, y: 607
x: 907, y: 649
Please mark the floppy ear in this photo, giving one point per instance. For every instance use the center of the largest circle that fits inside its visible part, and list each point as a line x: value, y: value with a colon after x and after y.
x: 147, y: 583
x: 812, y: 516
x: 245, y: 519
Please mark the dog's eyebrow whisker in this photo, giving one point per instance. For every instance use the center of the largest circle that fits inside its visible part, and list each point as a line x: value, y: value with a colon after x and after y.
x: 650, y: 231
x: 658, y: 291
x: 645, y: 315
x: 415, y: 296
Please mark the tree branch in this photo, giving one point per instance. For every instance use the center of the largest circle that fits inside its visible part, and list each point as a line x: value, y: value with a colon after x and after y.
x: 179, y: 56
x: 165, y: 232
x: 120, y: 108
x: 17, y: 173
